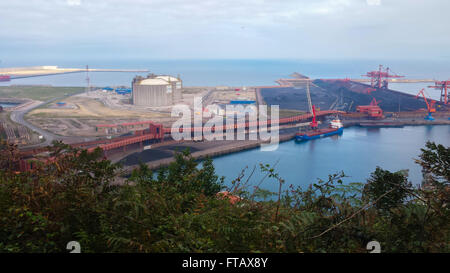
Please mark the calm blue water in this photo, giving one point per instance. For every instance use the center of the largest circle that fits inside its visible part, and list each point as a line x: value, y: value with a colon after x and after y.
x: 357, y: 152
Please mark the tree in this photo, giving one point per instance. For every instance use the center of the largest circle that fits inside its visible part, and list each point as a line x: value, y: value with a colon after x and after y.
x: 435, y: 162
x: 71, y: 198
x: 383, y: 181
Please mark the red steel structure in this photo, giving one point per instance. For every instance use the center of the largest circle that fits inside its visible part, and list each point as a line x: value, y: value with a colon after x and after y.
x: 313, y: 123
x: 430, y: 105
x: 443, y: 86
x: 373, y: 111
x: 157, y: 132
x: 379, y: 78
x: 374, y: 102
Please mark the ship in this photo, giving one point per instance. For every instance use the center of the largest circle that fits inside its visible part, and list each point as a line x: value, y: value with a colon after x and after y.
x: 335, y: 128
x: 5, y: 78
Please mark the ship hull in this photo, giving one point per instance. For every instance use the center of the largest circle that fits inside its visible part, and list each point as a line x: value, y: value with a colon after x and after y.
x: 318, y: 134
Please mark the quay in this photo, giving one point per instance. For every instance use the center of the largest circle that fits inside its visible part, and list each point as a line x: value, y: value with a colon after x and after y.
x: 37, y: 71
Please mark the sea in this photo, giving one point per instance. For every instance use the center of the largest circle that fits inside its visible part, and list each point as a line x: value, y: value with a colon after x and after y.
x: 235, y: 72
x: 356, y: 153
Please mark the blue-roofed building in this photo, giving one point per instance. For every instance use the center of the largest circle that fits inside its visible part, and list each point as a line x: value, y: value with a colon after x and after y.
x: 123, y: 91
x: 242, y: 102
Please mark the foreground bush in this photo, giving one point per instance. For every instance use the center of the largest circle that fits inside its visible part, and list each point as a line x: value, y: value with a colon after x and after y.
x: 79, y: 197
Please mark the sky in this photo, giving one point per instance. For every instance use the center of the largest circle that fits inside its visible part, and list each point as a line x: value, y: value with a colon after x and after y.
x: 226, y: 29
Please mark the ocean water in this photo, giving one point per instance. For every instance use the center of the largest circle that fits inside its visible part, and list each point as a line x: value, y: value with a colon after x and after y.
x: 235, y: 72
x: 357, y: 152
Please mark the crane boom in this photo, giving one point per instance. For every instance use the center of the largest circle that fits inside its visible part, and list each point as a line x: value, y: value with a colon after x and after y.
x: 314, y: 123
x: 308, y: 94
x: 430, y: 106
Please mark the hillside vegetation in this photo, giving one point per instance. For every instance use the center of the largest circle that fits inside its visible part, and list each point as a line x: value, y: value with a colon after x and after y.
x: 35, y: 92
x: 179, y: 209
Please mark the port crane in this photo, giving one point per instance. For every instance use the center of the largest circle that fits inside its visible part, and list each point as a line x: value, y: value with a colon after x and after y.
x: 314, y: 123
x: 443, y: 86
x: 374, y: 102
x: 379, y: 78
x: 312, y: 108
x: 430, y: 106
x: 308, y: 95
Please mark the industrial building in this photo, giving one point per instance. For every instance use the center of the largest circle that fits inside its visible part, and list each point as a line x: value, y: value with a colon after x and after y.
x: 157, y: 90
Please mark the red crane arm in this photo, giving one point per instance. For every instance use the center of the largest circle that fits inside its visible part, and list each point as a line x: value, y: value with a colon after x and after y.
x: 314, y: 122
x: 429, y: 107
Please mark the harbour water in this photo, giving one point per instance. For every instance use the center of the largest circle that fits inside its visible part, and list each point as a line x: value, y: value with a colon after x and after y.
x: 357, y: 152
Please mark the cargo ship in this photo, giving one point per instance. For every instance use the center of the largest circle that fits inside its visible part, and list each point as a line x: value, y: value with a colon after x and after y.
x: 318, y: 133
x: 335, y: 128
x: 5, y: 78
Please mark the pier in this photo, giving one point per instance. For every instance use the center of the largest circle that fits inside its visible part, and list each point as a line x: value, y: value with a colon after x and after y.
x: 36, y: 71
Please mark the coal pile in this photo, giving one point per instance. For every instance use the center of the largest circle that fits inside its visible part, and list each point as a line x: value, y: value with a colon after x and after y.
x: 340, y: 95
x: 155, y: 154
x: 389, y: 100
x: 295, y: 97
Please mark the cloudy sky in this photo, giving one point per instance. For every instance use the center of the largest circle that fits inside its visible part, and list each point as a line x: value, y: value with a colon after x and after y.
x: 212, y: 29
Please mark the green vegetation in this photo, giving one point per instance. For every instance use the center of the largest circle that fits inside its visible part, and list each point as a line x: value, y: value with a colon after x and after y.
x: 34, y: 92
x: 178, y: 210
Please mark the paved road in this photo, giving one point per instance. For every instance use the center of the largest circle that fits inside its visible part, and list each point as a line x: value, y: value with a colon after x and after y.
x: 17, y: 116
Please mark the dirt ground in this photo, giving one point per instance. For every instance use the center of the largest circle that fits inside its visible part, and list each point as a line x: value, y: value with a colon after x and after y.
x: 90, y: 108
x: 86, y: 110
x: 85, y: 115
x: 226, y: 96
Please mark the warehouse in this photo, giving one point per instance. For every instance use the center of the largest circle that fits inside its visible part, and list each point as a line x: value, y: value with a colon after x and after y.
x: 156, y: 90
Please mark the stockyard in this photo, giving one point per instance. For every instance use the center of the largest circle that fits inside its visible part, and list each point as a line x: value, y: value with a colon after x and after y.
x: 82, y: 114
x: 75, y: 112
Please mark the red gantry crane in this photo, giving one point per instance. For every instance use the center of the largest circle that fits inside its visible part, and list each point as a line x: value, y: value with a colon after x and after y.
x: 443, y: 86
x: 430, y: 106
x: 379, y: 79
